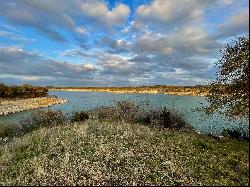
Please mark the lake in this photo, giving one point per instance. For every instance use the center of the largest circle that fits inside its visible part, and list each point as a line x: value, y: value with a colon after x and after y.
x: 184, y: 104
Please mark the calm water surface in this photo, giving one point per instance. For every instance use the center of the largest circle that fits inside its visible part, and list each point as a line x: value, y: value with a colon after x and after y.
x: 184, y: 104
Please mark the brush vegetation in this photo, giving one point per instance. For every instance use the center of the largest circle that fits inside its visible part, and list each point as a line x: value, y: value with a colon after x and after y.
x: 24, y: 91
x: 163, y: 89
x: 112, y: 146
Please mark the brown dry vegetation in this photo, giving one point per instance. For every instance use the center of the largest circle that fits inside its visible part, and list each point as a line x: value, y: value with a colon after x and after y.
x: 164, y: 89
x: 24, y: 91
x: 118, y: 153
x: 110, y: 146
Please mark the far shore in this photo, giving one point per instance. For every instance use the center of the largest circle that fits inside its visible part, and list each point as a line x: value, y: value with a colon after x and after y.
x: 10, y: 106
x: 151, y: 91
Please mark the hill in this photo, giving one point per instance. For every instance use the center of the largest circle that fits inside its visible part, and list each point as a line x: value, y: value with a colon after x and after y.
x: 118, y: 153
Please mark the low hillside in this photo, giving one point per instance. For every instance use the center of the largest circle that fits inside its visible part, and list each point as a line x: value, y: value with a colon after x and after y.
x: 162, y: 89
x: 98, y: 152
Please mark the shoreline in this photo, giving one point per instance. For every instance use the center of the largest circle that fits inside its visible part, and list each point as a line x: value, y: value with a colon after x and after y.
x: 11, y: 106
x: 131, y: 91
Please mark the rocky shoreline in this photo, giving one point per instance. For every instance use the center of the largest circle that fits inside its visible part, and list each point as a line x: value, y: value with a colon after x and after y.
x: 11, y: 106
x: 132, y: 91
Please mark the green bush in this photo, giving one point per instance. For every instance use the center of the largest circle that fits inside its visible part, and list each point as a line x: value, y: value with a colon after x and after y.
x: 9, y: 130
x: 38, y: 119
x: 236, y: 134
x: 79, y: 116
x: 41, y: 118
x: 131, y: 112
x: 167, y: 118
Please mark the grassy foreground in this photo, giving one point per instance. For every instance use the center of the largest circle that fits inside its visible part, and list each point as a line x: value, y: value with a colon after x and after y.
x: 98, y: 152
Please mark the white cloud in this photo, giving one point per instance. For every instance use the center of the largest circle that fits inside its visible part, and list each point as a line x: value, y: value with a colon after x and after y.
x: 186, y: 41
x: 99, y: 11
x: 165, y: 39
x: 88, y: 67
x: 226, y: 2
x: 50, y: 17
x: 115, y: 62
x: 17, y: 61
x: 172, y: 11
x: 81, y: 30
x: 153, y: 44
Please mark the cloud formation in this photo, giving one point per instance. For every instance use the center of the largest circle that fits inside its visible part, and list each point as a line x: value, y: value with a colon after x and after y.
x: 16, y: 61
x: 50, y: 16
x: 172, y: 13
x: 104, y: 42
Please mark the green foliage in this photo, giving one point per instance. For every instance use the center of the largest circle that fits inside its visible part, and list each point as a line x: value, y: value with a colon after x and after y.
x: 229, y: 94
x: 131, y: 112
x: 44, y: 118
x: 24, y: 91
x: 236, y: 134
x: 38, y: 119
x: 9, y: 130
x: 79, y: 116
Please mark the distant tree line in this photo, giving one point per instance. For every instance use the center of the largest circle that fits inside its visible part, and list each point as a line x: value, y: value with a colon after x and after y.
x: 24, y: 91
x: 159, y: 88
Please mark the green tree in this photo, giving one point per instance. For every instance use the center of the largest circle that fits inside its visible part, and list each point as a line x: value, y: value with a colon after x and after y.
x: 229, y: 93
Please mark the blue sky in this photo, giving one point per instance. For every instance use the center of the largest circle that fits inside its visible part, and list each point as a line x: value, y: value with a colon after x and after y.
x: 116, y: 43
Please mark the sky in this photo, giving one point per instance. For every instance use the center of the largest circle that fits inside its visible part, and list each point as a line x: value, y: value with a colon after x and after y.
x: 116, y: 42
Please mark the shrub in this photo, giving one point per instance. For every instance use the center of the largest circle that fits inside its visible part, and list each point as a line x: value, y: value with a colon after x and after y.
x: 9, y: 130
x: 38, y: 119
x: 167, y: 118
x: 127, y: 111
x: 79, y: 116
x: 47, y: 118
x: 131, y: 112
x: 236, y: 134
x: 24, y: 91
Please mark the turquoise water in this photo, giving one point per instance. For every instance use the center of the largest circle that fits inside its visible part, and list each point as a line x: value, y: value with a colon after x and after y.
x: 184, y: 104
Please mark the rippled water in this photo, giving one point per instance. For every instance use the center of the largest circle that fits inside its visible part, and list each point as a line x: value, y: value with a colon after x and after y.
x: 184, y: 104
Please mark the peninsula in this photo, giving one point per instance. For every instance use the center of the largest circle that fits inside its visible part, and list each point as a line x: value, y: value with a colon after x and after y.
x: 15, y: 99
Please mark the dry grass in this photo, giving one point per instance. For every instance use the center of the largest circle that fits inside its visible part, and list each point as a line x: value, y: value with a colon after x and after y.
x: 119, y: 153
